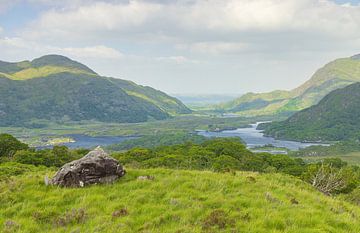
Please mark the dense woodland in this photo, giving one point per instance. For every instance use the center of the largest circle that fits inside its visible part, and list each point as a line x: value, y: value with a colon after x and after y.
x: 161, y: 139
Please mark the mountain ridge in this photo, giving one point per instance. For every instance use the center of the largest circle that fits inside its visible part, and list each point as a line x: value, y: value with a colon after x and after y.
x: 56, y: 87
x: 336, y: 74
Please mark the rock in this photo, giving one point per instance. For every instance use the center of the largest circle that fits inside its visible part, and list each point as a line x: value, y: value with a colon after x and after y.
x: 97, y: 167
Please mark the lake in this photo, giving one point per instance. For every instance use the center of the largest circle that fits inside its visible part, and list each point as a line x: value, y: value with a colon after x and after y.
x: 255, y: 138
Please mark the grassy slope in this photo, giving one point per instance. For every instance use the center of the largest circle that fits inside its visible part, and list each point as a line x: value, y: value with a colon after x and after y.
x: 334, y: 118
x: 72, y: 96
x: 175, y: 201
x: 334, y: 75
x: 23, y: 88
x: 160, y: 99
x: 44, y: 71
x: 55, y: 64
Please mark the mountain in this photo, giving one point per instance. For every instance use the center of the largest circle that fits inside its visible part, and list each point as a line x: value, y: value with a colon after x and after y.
x: 204, y: 100
x: 55, y: 87
x: 335, y: 117
x: 334, y: 75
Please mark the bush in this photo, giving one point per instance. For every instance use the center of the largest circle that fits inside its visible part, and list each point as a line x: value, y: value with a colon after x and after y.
x: 354, y: 196
x: 329, y: 179
x: 9, y: 169
x: 218, y: 154
x: 152, y: 141
x: 9, y: 145
x: 56, y: 157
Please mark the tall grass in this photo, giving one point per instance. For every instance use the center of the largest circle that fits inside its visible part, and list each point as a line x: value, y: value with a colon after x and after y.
x: 175, y: 201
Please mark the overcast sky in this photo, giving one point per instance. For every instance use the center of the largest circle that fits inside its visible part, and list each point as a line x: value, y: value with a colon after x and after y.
x: 187, y: 46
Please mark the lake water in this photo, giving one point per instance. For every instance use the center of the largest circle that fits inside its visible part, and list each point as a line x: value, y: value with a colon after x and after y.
x: 89, y: 142
x: 255, y: 138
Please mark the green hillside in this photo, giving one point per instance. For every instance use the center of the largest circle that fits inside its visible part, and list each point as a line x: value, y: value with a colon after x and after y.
x: 54, y: 87
x: 250, y: 192
x: 175, y: 201
x: 160, y: 99
x: 335, y: 117
x: 42, y: 67
x: 334, y: 75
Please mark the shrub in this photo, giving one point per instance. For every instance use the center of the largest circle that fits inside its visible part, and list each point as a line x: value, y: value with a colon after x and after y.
x: 219, y: 219
x: 354, y: 196
x: 331, y: 180
x: 9, y: 145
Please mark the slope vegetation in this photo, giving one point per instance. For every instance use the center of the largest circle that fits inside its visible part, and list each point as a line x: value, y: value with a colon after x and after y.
x: 335, y: 117
x: 54, y: 87
x: 334, y: 75
x: 175, y: 201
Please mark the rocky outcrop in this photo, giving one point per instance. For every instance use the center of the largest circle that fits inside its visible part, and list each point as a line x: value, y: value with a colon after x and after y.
x: 96, y: 167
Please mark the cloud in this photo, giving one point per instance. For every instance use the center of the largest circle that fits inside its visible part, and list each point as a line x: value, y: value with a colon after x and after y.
x: 17, y: 44
x: 217, y: 47
x: 98, y: 18
x: 99, y: 51
x: 6, y: 4
x: 209, y: 15
x: 191, y: 40
x: 1, y: 30
x: 176, y: 59
x: 213, y: 26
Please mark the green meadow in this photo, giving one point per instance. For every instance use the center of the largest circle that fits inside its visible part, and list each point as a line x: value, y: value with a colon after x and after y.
x: 174, y: 201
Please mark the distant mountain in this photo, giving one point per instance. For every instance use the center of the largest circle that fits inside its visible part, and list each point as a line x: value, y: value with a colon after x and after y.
x: 204, y: 100
x: 334, y: 75
x: 335, y: 117
x: 56, y: 87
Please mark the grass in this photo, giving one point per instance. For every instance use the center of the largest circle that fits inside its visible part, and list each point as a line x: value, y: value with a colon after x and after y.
x: 44, y: 71
x: 175, y: 201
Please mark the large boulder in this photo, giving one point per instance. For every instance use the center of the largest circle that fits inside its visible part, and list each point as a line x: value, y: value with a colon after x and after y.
x: 94, y: 168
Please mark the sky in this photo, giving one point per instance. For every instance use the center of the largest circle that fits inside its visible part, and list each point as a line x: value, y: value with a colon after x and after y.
x: 187, y: 46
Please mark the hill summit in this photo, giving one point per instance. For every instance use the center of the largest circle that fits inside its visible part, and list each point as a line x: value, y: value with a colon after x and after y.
x: 41, y: 67
x: 334, y: 75
x: 55, y: 87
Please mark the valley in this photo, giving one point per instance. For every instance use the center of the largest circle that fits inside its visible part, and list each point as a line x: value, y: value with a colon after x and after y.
x: 254, y: 138
x: 247, y: 165
x: 186, y: 116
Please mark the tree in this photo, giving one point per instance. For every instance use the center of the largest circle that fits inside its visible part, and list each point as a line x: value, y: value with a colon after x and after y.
x: 9, y: 145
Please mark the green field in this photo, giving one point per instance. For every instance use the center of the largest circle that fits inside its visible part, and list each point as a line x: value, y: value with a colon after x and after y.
x: 175, y: 201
